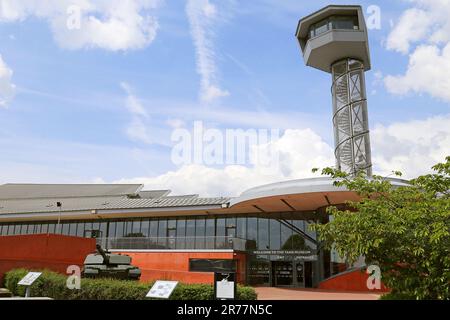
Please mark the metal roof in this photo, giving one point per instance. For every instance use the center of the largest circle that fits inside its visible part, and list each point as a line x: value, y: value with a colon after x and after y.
x: 49, y: 204
x: 169, y: 202
x: 151, y: 194
x: 101, y: 203
x: 43, y: 198
x: 37, y: 191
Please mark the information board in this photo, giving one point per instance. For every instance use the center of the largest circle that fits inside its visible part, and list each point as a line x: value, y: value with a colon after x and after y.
x: 225, y: 285
x: 29, y: 279
x: 162, y: 289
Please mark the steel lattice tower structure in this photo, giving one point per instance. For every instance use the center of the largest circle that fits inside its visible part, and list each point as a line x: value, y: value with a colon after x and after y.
x: 335, y: 40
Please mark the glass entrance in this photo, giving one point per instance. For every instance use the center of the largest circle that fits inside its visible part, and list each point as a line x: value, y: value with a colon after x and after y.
x: 288, y: 274
x: 283, y: 273
x: 300, y: 274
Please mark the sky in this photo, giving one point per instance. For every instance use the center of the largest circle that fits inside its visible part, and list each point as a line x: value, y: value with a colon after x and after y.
x: 94, y: 91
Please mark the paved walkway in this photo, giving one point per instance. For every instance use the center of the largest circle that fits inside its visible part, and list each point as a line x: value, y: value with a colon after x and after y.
x: 311, y: 294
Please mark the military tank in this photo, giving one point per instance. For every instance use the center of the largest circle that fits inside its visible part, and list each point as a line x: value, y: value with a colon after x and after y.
x: 104, y: 264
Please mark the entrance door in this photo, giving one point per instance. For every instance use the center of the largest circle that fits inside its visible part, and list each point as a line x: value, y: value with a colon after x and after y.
x: 283, y: 273
x: 300, y: 274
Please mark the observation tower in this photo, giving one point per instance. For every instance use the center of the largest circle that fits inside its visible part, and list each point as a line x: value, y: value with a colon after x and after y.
x: 334, y: 39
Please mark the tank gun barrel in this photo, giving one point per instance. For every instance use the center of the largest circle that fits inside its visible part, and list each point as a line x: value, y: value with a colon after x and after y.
x: 103, y: 253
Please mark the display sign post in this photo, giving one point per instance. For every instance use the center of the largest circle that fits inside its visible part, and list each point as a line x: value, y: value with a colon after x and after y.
x: 225, y: 285
x: 28, y: 280
x: 162, y: 289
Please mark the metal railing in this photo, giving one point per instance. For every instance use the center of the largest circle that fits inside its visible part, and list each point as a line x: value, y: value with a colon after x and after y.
x: 173, y: 243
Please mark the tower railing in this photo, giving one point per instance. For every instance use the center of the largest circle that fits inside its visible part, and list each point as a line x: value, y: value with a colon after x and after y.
x: 350, y: 119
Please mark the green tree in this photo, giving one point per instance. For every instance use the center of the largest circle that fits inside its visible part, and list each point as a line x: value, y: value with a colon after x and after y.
x: 405, y: 230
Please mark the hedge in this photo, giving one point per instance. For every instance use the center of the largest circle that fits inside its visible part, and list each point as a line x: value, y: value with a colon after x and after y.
x: 53, y: 285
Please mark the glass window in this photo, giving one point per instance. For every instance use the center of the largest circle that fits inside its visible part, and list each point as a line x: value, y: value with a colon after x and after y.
x: 181, y: 232
x: 263, y: 234
x: 128, y: 228
x: 37, y: 228
x: 119, y: 229
x: 210, y: 228
x: 87, y: 226
x: 259, y: 271
x: 252, y: 233
x: 220, y: 227
x: 1, y: 230
x: 111, y: 229
x: 95, y: 225
x: 51, y: 227
x: 231, y: 227
x: 172, y: 224
x: 275, y: 234
x: 190, y: 234
x: 220, y: 233
x: 103, y: 229
x: 286, y: 237
x: 241, y: 227
x: 334, y: 22
x: 200, y: 229
x: 154, y: 230
x: 162, y: 228
x: 80, y: 229
x: 145, y: 227
x: 162, y: 233
x: 136, y: 229
x: 344, y: 22
x: 66, y: 228
x: 321, y: 27
x: 209, y: 233
x: 44, y: 228
x: 171, y: 233
x: 10, y: 230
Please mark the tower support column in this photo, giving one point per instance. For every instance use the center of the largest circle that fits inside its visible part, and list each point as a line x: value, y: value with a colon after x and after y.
x: 350, y: 118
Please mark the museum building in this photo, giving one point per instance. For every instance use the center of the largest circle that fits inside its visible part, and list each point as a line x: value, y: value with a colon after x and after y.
x: 264, y: 234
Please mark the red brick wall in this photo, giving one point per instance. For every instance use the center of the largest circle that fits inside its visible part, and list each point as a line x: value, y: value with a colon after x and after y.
x: 42, y: 251
x: 350, y: 281
x: 175, y: 265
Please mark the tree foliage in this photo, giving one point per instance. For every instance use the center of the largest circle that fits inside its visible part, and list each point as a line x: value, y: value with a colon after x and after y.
x: 404, y: 228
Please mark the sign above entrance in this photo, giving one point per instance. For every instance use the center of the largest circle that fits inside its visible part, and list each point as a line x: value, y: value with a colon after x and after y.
x: 284, y: 252
x: 288, y: 255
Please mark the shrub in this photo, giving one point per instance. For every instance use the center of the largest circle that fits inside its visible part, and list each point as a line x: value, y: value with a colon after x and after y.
x: 396, y: 296
x: 53, y: 285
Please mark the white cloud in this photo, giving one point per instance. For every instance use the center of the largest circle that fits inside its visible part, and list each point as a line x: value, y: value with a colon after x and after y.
x: 107, y: 24
x: 202, y: 15
x: 7, y: 88
x: 423, y: 32
x: 412, y: 147
x: 299, y: 151
x: 132, y: 103
x: 412, y: 27
x: 137, y: 129
x: 428, y: 71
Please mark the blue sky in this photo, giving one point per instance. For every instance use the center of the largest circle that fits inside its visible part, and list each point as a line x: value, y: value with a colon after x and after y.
x: 86, y: 109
